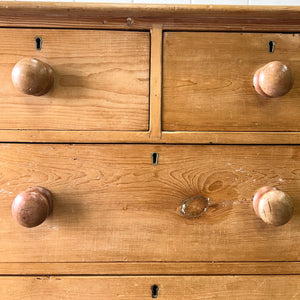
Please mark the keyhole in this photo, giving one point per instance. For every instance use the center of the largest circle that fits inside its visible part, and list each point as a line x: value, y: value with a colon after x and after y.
x: 154, y: 158
x: 271, y: 46
x: 38, y: 43
x: 154, y: 289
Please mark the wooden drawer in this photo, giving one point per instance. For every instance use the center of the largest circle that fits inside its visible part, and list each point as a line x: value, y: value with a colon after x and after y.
x: 148, y: 87
x: 133, y: 287
x: 111, y: 204
x: 101, y: 80
x: 208, y: 82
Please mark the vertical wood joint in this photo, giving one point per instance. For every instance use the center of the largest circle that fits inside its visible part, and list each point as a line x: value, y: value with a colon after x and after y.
x: 156, y: 82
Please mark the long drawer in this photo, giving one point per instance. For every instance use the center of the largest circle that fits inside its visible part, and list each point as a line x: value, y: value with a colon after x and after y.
x: 101, y: 79
x: 160, y: 287
x: 114, y: 203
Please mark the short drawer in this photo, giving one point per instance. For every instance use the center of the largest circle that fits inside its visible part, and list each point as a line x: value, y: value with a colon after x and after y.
x: 113, y: 203
x: 148, y: 287
x: 208, y: 81
x: 100, y: 79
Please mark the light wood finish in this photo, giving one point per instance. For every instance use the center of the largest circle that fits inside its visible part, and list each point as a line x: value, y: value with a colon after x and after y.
x: 273, y: 80
x: 115, y: 212
x: 155, y: 82
x: 31, y: 207
x: 156, y: 18
x: 151, y: 268
x: 129, y: 16
x: 169, y: 287
x: 32, y: 77
x: 177, y: 137
x: 205, y: 137
x: 273, y: 206
x: 101, y: 80
x: 208, y: 82
x: 111, y: 204
x: 77, y: 136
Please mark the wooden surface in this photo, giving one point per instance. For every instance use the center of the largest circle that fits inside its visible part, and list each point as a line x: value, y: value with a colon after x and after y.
x: 145, y: 119
x: 152, y: 268
x: 128, y: 16
x: 142, y: 137
x: 203, y: 137
x: 115, y: 213
x: 156, y: 82
x: 112, y: 205
x: 207, y: 82
x: 101, y: 80
x: 170, y: 287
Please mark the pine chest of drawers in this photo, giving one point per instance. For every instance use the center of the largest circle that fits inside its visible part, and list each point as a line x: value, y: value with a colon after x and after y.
x: 149, y: 152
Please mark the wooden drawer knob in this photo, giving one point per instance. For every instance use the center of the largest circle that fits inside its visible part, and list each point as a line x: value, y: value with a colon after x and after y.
x: 273, y: 206
x: 273, y: 80
x: 32, y: 77
x: 32, y: 207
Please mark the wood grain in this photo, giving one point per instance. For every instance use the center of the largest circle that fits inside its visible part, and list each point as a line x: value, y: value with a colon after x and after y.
x: 112, y: 205
x: 213, y: 137
x: 167, y: 137
x: 170, y: 287
x: 208, y: 82
x: 142, y: 16
x: 156, y: 82
x: 101, y: 80
x: 151, y: 268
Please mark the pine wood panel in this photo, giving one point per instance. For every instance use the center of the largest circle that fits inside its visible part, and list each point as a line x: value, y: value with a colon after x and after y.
x: 111, y: 204
x: 151, y: 268
x: 156, y: 81
x: 143, y: 16
x: 207, y: 82
x: 167, y: 137
x: 170, y: 287
x: 101, y: 80
x: 213, y: 137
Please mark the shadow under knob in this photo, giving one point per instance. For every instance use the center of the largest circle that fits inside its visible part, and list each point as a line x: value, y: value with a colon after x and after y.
x: 32, y: 207
x: 32, y: 77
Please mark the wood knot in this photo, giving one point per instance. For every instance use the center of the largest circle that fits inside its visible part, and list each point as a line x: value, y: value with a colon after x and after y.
x: 194, y: 207
x: 129, y: 21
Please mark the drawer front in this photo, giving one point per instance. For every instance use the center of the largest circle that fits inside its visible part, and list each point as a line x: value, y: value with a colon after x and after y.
x: 101, y: 80
x: 208, y: 82
x: 111, y: 204
x: 133, y: 287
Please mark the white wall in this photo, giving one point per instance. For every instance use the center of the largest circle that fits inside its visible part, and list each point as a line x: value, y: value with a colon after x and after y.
x: 233, y: 2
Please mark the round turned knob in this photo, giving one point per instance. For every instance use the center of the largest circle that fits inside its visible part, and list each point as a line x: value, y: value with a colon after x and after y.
x: 32, y: 77
x: 273, y: 80
x: 32, y: 207
x: 273, y: 206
